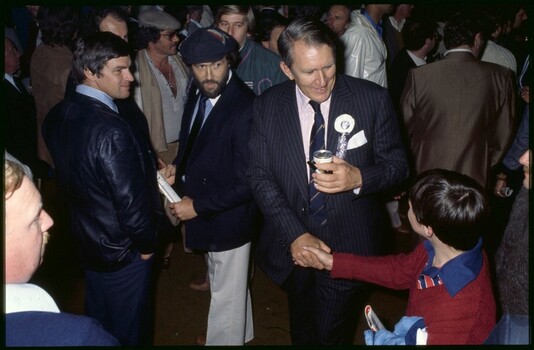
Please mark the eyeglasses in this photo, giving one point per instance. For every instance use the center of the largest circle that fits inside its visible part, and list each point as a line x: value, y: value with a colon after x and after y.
x: 171, y: 35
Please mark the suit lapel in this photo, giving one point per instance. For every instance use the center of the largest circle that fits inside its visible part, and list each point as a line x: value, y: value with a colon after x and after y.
x: 187, y: 116
x: 287, y: 112
x: 211, y: 123
x: 339, y: 104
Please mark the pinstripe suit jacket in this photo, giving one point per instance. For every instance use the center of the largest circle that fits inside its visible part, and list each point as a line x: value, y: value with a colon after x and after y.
x: 278, y: 177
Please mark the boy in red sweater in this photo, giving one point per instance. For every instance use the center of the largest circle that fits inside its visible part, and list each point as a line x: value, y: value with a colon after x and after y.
x: 448, y: 274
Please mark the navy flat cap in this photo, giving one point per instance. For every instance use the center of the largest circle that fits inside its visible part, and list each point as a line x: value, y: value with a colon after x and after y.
x: 207, y: 45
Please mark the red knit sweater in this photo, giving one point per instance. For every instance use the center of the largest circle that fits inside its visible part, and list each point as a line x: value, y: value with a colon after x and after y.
x: 466, y: 318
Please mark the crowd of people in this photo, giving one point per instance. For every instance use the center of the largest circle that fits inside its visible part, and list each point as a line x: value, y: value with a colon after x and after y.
x: 423, y: 115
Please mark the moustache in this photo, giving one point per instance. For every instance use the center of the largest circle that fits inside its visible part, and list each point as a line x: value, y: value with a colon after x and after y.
x: 210, y: 82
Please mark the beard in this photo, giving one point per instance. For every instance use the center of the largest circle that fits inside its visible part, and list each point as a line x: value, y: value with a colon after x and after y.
x: 220, y: 86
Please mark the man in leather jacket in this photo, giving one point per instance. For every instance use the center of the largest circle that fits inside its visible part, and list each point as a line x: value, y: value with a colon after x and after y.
x: 107, y: 170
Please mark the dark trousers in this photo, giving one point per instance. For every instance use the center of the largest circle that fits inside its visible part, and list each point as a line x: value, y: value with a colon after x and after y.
x: 322, y: 311
x: 121, y: 301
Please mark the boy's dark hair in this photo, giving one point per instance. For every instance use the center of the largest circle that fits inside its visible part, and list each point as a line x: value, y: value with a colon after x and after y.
x: 454, y: 205
x: 94, y: 51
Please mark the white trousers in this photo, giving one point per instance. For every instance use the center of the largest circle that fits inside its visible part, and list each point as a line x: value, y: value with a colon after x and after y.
x: 230, y: 315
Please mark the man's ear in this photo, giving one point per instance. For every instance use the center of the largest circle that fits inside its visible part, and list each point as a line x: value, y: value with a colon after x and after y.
x: 89, y: 76
x: 286, y: 70
x: 150, y: 45
x: 477, y: 45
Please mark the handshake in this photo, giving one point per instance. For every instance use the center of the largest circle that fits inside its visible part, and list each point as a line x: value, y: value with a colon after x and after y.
x: 309, y: 251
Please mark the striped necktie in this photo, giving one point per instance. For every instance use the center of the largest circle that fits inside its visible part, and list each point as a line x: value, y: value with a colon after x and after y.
x: 317, y: 199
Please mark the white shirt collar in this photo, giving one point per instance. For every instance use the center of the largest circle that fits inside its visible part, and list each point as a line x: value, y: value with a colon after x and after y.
x: 458, y: 50
x: 397, y: 25
x: 97, y: 95
x: 9, y: 78
x: 28, y: 297
x: 418, y: 61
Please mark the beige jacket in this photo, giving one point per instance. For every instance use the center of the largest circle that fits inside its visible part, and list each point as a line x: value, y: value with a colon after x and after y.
x: 148, y: 97
x: 49, y: 71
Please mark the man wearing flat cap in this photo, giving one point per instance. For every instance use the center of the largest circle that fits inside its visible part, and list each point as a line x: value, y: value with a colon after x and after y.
x: 162, y: 80
x: 161, y: 93
x: 217, y: 206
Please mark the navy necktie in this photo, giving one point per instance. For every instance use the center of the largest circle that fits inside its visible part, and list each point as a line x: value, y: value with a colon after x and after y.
x: 20, y: 86
x: 195, y: 130
x: 317, y: 137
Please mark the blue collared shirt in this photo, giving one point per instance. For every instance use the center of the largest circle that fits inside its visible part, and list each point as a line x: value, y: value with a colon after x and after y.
x: 97, y: 95
x: 457, y: 272
x: 377, y: 26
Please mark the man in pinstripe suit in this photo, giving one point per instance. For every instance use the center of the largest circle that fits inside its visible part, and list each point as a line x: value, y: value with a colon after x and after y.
x: 321, y: 309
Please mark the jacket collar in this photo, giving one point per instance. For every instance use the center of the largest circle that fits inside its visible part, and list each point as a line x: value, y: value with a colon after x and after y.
x: 460, y: 54
x: 97, y: 95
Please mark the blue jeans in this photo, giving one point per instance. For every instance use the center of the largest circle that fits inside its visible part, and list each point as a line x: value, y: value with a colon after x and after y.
x: 511, y: 329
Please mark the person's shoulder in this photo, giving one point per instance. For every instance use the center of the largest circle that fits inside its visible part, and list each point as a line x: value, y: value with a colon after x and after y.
x: 358, y: 21
x: 53, y: 54
x: 61, y: 109
x: 139, y: 54
x: 239, y: 90
x: 275, y: 92
x: 497, y: 69
x: 428, y: 69
x: 93, y: 114
x: 355, y: 27
x: 85, y: 105
x: 264, y: 53
x: 55, y: 329
x: 401, y: 59
x: 357, y: 83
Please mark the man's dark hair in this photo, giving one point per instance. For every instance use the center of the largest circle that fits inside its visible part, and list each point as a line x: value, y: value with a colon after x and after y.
x: 147, y: 35
x: 310, y: 30
x: 310, y: 11
x: 415, y: 33
x: 91, y: 22
x: 462, y: 28
x: 58, y: 24
x: 453, y: 204
x: 266, y: 27
x: 194, y: 8
x: 94, y: 51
